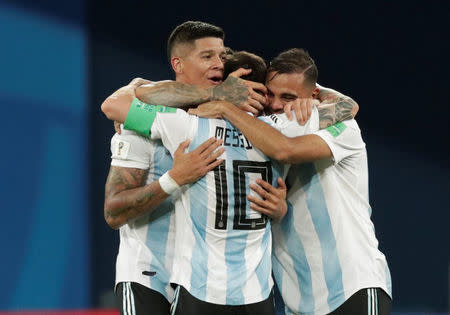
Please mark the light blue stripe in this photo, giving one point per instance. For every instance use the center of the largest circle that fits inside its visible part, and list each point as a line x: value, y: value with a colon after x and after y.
x: 264, y: 270
x: 158, y: 227
x: 300, y: 263
x: 198, y: 194
x: 236, y: 242
x: 317, y: 206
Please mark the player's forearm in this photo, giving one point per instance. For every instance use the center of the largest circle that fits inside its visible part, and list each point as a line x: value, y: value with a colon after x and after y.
x: 116, y: 106
x: 177, y: 94
x: 273, y: 143
x: 267, y: 139
x: 133, y: 203
x: 334, y: 107
x: 173, y: 94
x: 126, y: 196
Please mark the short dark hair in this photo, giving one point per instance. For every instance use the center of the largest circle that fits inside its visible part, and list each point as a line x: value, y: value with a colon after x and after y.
x: 295, y: 60
x: 244, y: 59
x: 189, y: 31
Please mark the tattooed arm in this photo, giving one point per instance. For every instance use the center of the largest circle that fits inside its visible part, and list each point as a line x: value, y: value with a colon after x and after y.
x: 116, y: 106
x: 334, y: 107
x: 240, y: 92
x: 176, y: 94
x: 266, y: 138
x: 127, y: 198
x: 173, y: 94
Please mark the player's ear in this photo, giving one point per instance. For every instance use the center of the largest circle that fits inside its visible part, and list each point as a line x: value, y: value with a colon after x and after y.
x: 315, y: 92
x: 177, y: 64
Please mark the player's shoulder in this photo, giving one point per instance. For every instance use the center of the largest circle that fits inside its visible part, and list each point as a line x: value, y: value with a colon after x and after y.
x: 350, y: 126
x: 278, y: 120
x: 133, y: 142
x: 156, y: 82
x: 129, y: 135
x: 351, y: 123
x: 346, y: 133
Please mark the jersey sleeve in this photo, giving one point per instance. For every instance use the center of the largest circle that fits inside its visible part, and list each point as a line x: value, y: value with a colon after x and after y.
x: 343, y: 138
x: 173, y: 128
x: 130, y: 150
x: 291, y: 128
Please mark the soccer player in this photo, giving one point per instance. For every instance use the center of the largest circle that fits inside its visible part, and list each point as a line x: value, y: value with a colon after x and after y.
x: 199, y: 235
x: 326, y: 258
x: 135, y: 200
x: 200, y: 46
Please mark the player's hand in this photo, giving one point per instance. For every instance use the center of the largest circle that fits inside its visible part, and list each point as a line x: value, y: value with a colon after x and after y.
x: 211, y: 109
x: 242, y: 93
x: 117, y: 127
x: 273, y: 202
x: 137, y: 82
x: 302, y: 108
x: 189, y: 167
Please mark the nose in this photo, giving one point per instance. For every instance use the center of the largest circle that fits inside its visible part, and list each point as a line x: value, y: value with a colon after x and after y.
x: 275, y: 104
x: 218, y: 63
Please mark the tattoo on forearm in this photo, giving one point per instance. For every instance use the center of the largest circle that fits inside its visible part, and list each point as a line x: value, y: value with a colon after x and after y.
x: 130, y: 199
x: 329, y: 114
x: 174, y: 94
x: 232, y: 90
x: 334, y: 107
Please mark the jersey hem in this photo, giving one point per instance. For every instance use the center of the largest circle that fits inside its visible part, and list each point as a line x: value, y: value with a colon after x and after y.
x: 145, y: 284
x: 234, y: 302
x: 334, y: 306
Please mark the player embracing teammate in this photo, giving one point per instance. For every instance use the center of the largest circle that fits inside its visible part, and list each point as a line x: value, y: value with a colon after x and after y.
x: 325, y: 256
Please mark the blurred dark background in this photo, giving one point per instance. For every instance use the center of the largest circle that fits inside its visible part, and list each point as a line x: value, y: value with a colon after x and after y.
x: 60, y: 59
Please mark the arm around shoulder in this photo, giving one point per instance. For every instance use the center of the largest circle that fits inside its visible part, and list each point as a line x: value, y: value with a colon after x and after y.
x: 335, y: 107
x: 116, y: 106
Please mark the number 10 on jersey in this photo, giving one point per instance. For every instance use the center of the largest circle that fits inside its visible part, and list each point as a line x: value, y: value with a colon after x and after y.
x: 241, y: 168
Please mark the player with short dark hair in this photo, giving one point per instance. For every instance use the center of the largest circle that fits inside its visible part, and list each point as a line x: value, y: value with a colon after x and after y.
x: 246, y: 60
x: 199, y: 62
x: 186, y: 33
x: 136, y: 202
x: 198, y: 269
x: 295, y: 60
x: 326, y: 258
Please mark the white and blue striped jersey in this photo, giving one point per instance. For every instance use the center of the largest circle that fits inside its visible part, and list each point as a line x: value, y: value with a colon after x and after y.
x: 325, y: 249
x: 146, y: 243
x: 223, y: 248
